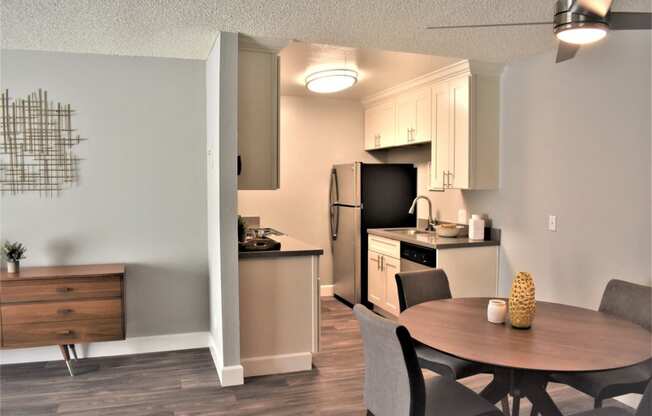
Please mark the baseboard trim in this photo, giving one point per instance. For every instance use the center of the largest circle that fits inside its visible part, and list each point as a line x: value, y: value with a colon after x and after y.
x: 277, y: 364
x: 325, y: 290
x: 230, y: 375
x: 135, y: 345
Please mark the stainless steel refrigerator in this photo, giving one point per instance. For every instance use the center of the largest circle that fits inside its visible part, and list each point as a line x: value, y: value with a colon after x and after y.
x: 364, y: 196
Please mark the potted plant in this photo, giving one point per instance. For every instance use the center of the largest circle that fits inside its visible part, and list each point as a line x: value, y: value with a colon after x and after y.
x: 13, y: 253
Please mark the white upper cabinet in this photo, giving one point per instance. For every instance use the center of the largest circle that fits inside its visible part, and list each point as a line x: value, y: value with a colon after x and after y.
x: 464, y: 154
x: 440, y: 149
x: 456, y: 109
x: 413, y: 118
x: 380, y: 125
x: 258, y: 119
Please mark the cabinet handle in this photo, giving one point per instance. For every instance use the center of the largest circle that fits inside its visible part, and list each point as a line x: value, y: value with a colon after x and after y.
x: 377, y: 140
x: 65, y: 333
x: 64, y: 289
x: 64, y: 311
x: 382, y: 263
x: 377, y: 262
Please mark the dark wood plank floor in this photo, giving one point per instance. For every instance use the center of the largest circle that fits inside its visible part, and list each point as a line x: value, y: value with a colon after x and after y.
x: 185, y: 383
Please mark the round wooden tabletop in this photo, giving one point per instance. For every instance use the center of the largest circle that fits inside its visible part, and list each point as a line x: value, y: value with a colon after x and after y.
x: 562, y: 338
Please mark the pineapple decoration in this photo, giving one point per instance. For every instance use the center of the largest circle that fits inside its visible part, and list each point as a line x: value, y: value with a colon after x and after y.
x: 522, y: 304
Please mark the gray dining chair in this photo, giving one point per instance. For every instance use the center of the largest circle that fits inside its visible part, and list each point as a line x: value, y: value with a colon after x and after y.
x: 395, y: 385
x: 627, y: 301
x: 423, y: 286
x: 644, y: 408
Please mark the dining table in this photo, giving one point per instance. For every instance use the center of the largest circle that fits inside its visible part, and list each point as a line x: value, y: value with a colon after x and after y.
x: 562, y: 338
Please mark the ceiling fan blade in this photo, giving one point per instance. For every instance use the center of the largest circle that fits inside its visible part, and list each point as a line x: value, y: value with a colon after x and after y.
x: 630, y: 21
x: 489, y: 25
x: 599, y: 7
x: 566, y: 51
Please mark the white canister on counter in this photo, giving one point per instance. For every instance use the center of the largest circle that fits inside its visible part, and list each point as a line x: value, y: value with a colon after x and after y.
x: 476, y: 227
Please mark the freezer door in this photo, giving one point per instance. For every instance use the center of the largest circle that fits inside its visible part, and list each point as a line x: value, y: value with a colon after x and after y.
x: 347, y: 181
x: 346, y: 255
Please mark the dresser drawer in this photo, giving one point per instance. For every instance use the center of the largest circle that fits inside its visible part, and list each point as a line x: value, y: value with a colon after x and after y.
x: 53, y: 333
x: 60, y: 289
x: 61, y: 311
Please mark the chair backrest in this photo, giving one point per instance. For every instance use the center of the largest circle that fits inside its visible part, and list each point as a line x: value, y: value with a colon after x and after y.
x: 628, y: 301
x: 393, y: 383
x: 645, y: 407
x: 421, y: 286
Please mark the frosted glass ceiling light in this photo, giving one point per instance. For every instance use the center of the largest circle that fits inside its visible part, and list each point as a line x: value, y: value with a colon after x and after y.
x: 581, y: 34
x: 331, y: 80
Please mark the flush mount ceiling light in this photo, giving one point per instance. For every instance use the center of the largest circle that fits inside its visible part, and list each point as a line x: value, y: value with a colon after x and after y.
x: 331, y: 80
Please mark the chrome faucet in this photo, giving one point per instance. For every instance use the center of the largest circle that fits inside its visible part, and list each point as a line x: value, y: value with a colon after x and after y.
x: 431, y: 222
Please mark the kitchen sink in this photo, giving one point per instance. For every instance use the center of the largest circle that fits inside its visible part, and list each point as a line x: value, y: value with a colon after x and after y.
x: 412, y: 232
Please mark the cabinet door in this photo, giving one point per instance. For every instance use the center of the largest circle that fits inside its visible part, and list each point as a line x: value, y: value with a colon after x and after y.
x: 460, y: 162
x: 375, y: 280
x: 371, y: 129
x: 423, y: 117
x: 406, y: 120
x: 440, y: 147
x: 391, y: 266
x: 258, y: 119
x: 387, y: 122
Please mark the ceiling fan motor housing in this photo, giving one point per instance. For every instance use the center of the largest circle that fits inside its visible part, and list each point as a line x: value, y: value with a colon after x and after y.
x: 569, y: 14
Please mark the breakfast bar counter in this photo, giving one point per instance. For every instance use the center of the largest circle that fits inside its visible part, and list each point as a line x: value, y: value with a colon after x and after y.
x: 279, y: 307
x: 289, y: 247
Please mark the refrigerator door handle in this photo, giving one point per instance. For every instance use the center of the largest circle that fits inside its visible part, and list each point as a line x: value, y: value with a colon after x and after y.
x: 334, y: 207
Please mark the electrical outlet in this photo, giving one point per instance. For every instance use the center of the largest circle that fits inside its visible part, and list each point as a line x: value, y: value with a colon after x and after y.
x: 552, y: 223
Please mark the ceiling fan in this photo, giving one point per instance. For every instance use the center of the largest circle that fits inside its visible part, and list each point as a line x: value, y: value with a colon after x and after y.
x: 580, y: 22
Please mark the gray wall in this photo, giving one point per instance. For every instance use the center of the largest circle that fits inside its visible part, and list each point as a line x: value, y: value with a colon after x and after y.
x: 142, y: 196
x: 221, y: 142
x: 575, y: 142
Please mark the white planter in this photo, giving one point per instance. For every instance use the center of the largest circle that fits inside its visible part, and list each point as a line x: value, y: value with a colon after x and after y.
x: 13, y: 266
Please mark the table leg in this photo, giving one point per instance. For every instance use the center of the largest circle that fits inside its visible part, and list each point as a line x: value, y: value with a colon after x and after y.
x: 66, y: 357
x: 533, y: 386
x: 499, y: 387
x: 518, y: 384
x: 72, y: 348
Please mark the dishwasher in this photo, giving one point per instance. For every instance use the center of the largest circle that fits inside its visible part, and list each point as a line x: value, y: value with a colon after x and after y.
x: 415, y: 257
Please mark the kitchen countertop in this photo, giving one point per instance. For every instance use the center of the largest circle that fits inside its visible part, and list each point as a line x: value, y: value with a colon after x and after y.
x: 289, y: 247
x: 431, y: 240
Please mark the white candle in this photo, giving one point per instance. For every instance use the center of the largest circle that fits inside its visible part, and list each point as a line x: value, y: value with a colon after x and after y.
x: 496, y: 311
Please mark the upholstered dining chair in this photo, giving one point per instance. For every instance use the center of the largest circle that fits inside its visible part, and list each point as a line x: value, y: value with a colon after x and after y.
x: 423, y: 286
x: 644, y: 408
x: 395, y: 385
x: 627, y: 301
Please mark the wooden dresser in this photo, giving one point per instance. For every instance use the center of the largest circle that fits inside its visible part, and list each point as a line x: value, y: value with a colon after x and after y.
x: 64, y: 306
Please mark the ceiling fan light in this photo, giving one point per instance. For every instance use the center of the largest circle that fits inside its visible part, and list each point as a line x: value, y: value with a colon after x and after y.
x: 331, y: 80
x: 581, y: 34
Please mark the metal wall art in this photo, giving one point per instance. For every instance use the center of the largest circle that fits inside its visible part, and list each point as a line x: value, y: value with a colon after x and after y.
x: 36, y: 143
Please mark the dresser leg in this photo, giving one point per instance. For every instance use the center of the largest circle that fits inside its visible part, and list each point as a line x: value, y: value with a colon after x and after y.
x: 74, y: 350
x: 66, y: 357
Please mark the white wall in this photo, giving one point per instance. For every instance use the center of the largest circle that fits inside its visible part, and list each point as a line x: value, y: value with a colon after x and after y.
x: 142, y: 193
x: 315, y: 133
x: 575, y: 142
x: 221, y: 147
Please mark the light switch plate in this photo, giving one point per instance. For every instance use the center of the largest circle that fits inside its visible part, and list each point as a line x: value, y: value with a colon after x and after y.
x: 552, y: 223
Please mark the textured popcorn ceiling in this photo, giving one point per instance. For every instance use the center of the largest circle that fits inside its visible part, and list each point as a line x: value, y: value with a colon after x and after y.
x: 186, y: 28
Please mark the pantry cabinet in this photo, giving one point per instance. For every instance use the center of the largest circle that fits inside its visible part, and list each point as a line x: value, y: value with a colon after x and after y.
x: 380, y: 126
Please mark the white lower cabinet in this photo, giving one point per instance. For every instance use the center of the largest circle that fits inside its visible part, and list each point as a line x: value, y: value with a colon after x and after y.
x: 381, y: 281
